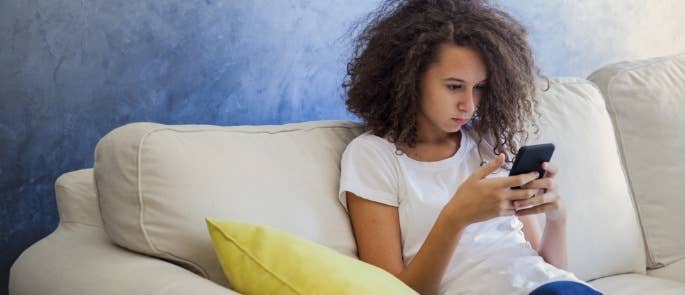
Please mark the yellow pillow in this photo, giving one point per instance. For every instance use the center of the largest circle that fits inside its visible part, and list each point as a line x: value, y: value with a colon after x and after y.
x: 262, y: 260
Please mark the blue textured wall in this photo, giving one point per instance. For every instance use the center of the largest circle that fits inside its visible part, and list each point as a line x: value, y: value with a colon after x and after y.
x: 70, y: 71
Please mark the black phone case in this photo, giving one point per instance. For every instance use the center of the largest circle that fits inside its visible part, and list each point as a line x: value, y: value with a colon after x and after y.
x: 530, y: 158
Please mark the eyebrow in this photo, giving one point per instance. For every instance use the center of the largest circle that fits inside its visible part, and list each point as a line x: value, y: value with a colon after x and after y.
x: 460, y: 80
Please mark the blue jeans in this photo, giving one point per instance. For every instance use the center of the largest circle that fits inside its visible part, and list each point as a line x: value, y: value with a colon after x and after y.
x: 564, y: 288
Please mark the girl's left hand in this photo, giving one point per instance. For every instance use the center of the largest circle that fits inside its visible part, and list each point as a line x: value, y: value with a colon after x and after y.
x: 547, y: 199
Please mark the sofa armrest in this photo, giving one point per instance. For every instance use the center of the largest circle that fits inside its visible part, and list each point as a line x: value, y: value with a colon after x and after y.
x: 77, y: 199
x: 79, y: 259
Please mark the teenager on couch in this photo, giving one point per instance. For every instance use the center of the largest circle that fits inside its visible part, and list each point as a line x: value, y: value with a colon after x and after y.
x: 440, y: 84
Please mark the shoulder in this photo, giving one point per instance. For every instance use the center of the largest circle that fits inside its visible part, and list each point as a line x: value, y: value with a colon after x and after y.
x: 370, y: 143
x: 371, y: 153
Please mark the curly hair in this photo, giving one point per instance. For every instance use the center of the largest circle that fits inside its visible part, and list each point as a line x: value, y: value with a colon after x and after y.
x: 402, y: 38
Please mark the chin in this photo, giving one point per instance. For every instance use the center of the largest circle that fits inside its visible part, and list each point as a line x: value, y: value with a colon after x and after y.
x: 454, y: 129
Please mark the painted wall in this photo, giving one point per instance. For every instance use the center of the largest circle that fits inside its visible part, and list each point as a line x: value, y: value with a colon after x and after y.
x: 574, y: 38
x: 71, y: 71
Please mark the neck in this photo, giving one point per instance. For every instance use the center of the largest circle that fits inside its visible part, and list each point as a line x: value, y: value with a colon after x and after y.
x: 438, y: 139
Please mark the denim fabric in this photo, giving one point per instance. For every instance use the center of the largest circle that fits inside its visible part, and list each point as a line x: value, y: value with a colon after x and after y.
x: 564, y: 288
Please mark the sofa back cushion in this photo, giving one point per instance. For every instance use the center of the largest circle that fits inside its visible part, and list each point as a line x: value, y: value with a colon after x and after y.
x: 157, y: 183
x: 603, y: 233
x: 646, y: 100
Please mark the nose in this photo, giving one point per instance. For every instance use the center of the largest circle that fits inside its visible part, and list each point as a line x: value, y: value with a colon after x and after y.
x: 467, y: 102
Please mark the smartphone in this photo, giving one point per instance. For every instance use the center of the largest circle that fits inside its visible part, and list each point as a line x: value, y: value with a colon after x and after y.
x: 530, y: 158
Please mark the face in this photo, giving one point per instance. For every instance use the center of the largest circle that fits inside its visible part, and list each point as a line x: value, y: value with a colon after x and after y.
x: 450, y: 88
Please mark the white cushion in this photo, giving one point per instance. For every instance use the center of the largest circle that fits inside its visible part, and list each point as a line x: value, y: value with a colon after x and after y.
x: 157, y: 183
x: 646, y: 100
x: 79, y: 259
x: 635, y: 284
x: 674, y: 271
x: 603, y: 232
x: 77, y: 199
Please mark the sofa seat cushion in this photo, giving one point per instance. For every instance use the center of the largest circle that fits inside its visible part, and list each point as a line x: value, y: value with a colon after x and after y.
x: 638, y: 284
x: 646, y: 100
x: 156, y: 183
x: 674, y: 271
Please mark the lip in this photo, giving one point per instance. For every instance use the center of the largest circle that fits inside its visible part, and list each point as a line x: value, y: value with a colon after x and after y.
x: 459, y: 121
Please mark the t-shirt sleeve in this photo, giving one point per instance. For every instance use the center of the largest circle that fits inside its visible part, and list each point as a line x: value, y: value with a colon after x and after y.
x: 368, y: 171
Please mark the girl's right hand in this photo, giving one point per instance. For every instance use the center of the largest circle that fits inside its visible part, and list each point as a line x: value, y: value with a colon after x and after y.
x: 479, y: 199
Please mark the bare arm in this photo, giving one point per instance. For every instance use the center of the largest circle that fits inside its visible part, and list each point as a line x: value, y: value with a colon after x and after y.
x: 552, y: 246
x: 531, y: 230
x: 377, y: 232
x: 553, y: 243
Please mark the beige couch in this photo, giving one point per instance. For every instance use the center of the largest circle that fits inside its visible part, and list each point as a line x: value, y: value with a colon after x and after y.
x: 134, y: 224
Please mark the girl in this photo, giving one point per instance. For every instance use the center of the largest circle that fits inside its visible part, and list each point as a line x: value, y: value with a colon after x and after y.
x: 440, y: 84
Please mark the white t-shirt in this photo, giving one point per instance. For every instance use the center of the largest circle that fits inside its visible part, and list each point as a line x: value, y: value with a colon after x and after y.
x: 491, y: 256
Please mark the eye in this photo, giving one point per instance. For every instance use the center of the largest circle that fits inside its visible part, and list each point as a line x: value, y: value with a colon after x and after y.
x: 482, y: 87
x: 453, y: 87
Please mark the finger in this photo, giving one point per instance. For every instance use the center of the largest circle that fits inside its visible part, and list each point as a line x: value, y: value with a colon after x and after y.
x: 521, y: 194
x: 550, y: 169
x: 539, y: 190
x: 535, y: 201
x: 516, y: 180
x: 537, y: 209
x: 490, y: 167
x: 542, y: 183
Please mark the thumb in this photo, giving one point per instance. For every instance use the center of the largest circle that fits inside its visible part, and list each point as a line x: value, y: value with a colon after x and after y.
x: 490, y: 167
